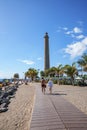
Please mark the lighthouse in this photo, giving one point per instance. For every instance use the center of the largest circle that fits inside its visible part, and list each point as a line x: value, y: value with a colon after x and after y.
x: 46, y: 52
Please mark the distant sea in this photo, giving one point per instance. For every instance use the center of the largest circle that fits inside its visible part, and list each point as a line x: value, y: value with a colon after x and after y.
x: 4, y: 79
x: 1, y: 79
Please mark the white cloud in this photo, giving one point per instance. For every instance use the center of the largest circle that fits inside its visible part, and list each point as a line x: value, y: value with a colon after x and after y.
x: 80, y: 36
x: 85, y: 41
x: 69, y: 32
x: 40, y: 58
x: 77, y: 30
x: 73, y: 36
x: 28, y: 62
x: 77, y: 48
x: 65, y: 28
x: 74, y: 31
x: 62, y: 29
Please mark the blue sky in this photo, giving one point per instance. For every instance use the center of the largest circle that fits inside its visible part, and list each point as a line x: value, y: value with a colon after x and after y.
x: 23, y: 24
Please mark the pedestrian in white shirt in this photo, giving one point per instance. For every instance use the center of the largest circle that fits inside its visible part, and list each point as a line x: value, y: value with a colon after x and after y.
x: 50, y: 85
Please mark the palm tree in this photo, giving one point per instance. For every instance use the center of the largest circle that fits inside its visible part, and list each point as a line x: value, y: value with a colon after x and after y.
x: 52, y: 71
x: 59, y: 70
x: 80, y: 63
x: 71, y: 71
x: 83, y: 63
x: 32, y: 73
x: 26, y: 74
x: 84, y: 57
x: 85, y: 68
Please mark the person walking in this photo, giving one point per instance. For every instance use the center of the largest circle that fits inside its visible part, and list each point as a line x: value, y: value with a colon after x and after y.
x: 43, y: 85
x: 50, y: 85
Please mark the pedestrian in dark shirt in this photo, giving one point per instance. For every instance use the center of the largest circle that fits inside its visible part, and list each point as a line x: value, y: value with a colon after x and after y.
x: 43, y: 85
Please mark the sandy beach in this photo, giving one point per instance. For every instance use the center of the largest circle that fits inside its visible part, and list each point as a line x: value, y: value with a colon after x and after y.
x: 75, y: 94
x: 19, y: 111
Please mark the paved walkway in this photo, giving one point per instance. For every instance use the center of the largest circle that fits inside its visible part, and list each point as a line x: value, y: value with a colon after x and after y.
x: 53, y: 112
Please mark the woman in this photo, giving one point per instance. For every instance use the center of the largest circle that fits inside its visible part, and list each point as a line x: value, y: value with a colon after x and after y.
x: 43, y: 85
x: 50, y: 85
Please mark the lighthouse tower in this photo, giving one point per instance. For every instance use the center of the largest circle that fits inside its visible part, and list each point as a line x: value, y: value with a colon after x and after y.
x: 46, y: 52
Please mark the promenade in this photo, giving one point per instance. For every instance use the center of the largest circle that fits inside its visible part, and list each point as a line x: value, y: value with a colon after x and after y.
x: 54, y: 112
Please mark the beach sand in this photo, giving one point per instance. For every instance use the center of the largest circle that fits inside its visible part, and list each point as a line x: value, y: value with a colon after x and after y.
x: 75, y: 94
x: 19, y: 112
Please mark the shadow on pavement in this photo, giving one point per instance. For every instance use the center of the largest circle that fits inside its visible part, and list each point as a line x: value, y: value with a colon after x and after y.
x: 54, y: 94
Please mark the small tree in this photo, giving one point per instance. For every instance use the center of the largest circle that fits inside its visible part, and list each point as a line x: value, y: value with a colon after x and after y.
x: 16, y: 76
x: 32, y: 73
